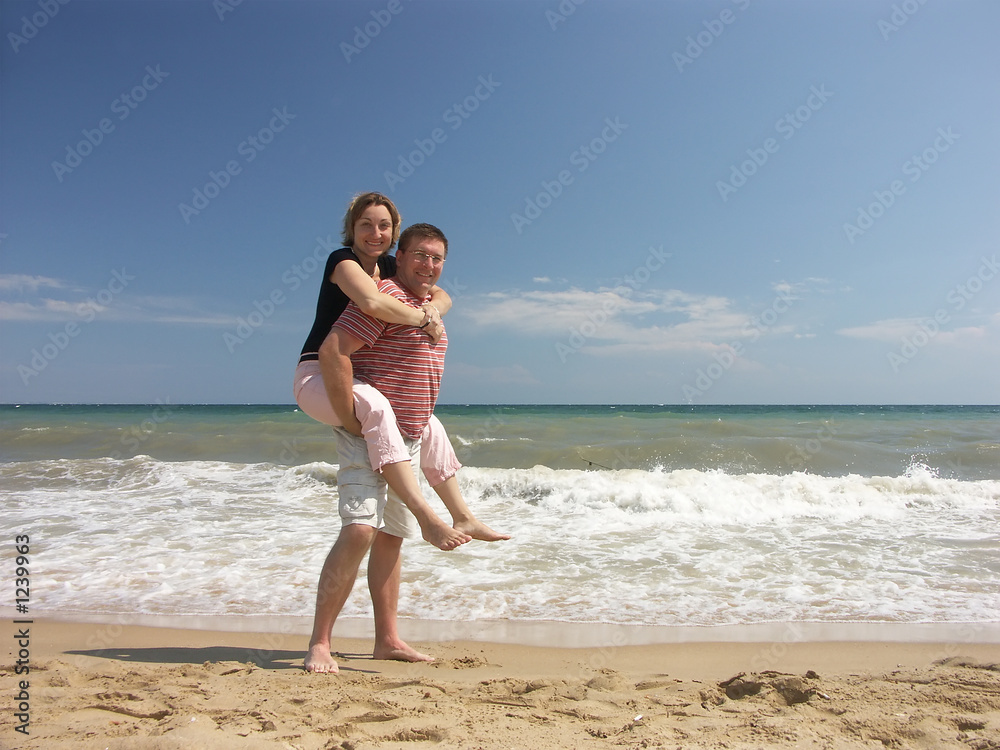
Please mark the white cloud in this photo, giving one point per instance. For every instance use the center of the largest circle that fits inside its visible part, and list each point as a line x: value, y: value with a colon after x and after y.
x: 552, y: 313
x: 44, y: 310
x: 16, y: 282
x: 895, y: 330
x: 892, y: 329
x: 618, y: 321
x: 180, y: 310
x: 83, y: 306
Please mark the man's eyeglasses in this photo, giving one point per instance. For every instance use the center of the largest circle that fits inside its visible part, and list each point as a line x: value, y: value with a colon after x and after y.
x: 436, y: 260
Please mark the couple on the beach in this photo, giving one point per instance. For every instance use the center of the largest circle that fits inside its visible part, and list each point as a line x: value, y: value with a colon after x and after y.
x: 371, y: 367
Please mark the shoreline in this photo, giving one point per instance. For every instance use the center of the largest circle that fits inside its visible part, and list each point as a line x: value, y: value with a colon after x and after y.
x: 113, y: 639
x: 556, y: 634
x: 122, y: 685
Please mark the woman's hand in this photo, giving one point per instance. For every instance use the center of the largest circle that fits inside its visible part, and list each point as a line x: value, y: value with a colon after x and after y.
x: 431, y: 324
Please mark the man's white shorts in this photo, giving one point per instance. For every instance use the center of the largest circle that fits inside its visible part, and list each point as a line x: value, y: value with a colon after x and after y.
x: 364, y: 495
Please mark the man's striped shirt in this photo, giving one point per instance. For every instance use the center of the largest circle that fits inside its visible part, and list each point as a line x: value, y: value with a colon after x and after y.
x: 399, y: 360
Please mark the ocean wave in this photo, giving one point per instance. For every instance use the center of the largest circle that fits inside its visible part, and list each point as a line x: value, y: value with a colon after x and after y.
x: 719, y: 497
x: 652, y: 546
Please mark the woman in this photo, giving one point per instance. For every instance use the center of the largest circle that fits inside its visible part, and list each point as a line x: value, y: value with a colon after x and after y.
x: 371, y: 229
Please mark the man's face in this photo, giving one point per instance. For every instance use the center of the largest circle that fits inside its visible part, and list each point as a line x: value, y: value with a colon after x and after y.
x: 419, y: 266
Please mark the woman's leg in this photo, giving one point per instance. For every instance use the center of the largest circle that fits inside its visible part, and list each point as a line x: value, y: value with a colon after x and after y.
x: 378, y: 421
x: 387, y: 451
x: 438, y: 461
x: 310, y: 394
x: 440, y: 465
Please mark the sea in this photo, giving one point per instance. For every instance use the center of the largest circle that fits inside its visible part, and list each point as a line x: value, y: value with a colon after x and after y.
x: 652, y: 516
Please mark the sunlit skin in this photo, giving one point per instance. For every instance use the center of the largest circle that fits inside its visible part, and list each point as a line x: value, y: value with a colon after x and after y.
x: 418, y: 268
x: 372, y: 236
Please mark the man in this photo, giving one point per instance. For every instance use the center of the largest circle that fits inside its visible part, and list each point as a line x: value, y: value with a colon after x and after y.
x: 406, y: 366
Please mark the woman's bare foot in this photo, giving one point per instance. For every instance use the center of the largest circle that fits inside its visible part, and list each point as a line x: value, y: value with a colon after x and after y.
x: 400, y: 652
x: 479, y: 530
x: 443, y: 536
x: 320, y: 660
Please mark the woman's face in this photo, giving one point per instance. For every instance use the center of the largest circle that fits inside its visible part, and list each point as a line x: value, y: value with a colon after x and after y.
x: 373, y: 231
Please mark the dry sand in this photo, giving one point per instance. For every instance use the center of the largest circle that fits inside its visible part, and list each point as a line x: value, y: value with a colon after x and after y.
x: 94, y: 686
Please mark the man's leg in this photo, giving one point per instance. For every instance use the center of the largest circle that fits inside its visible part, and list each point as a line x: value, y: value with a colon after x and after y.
x: 384, y: 571
x: 384, y: 566
x: 361, y: 501
x: 335, y: 583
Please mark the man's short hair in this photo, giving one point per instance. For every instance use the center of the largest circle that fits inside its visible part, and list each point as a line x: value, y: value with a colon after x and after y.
x: 418, y: 232
x: 359, y: 204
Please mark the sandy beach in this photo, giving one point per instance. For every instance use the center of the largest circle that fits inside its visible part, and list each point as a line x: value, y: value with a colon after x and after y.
x: 95, y: 685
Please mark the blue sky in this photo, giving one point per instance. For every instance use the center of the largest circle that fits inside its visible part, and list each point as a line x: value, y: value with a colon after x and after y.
x: 743, y: 201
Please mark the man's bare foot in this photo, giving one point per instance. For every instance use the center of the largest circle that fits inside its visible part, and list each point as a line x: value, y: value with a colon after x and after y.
x: 320, y: 660
x: 443, y: 536
x: 400, y: 652
x: 479, y: 530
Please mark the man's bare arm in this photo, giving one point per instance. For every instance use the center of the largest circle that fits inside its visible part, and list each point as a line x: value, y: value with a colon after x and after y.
x: 338, y: 375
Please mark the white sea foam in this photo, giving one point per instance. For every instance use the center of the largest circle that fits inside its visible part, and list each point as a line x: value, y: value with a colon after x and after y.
x: 642, y: 547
